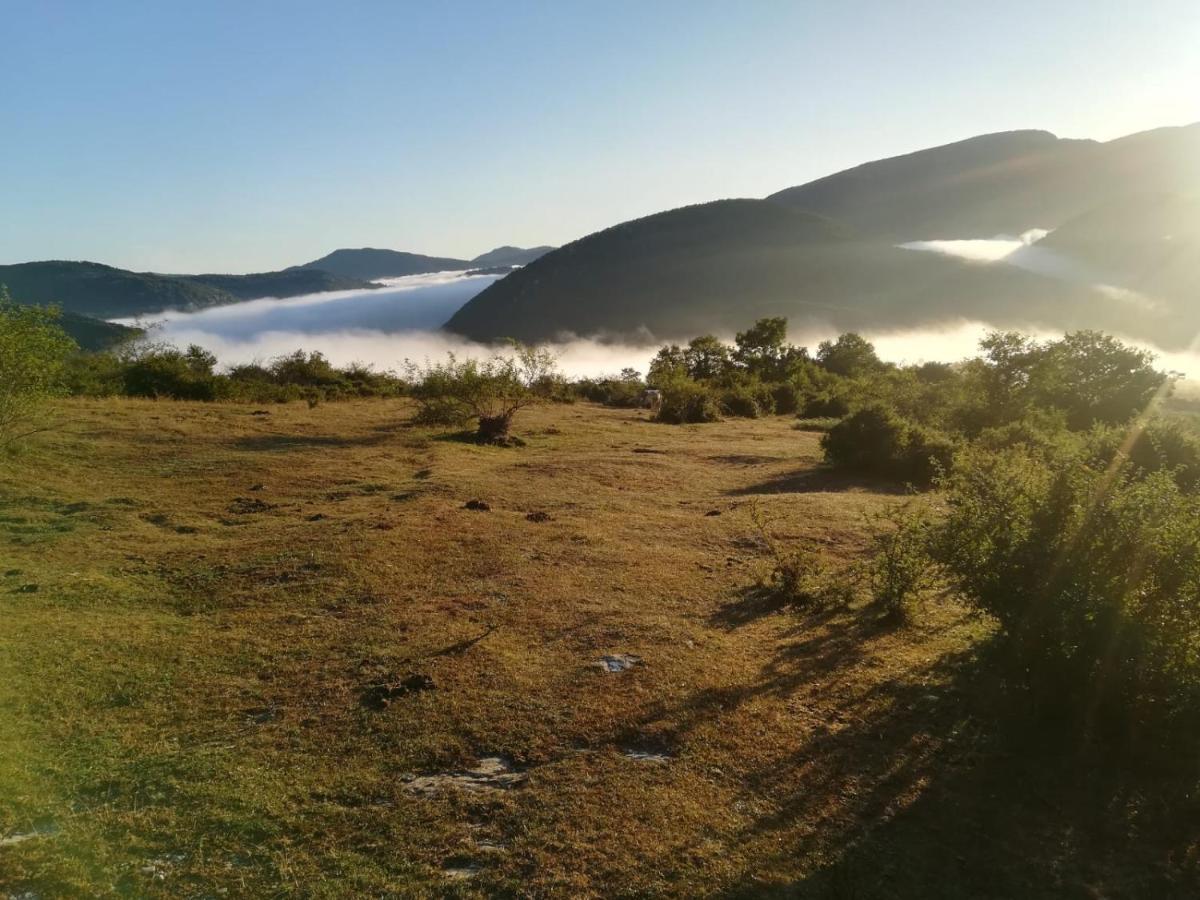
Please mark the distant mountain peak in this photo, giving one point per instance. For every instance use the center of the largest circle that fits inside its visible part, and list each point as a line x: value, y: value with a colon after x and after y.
x: 510, y: 256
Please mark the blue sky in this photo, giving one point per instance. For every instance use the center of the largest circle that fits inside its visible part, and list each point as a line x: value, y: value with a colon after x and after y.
x: 244, y: 136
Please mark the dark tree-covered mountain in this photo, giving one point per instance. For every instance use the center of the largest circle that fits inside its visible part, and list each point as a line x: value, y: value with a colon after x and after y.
x: 288, y: 283
x: 368, y: 264
x: 1000, y: 183
x: 100, y: 291
x: 509, y: 256
x: 709, y: 267
x: 715, y: 266
x: 96, y: 334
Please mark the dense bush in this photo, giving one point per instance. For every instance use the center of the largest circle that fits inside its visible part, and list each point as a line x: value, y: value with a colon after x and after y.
x: 1094, y: 577
x: 684, y: 401
x: 624, y: 391
x: 747, y: 398
x: 158, y: 370
x: 1155, y: 445
x: 878, y: 441
x: 163, y: 371
x: 33, y: 354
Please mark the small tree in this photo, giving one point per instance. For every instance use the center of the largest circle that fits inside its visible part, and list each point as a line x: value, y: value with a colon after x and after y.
x: 851, y: 355
x: 706, y: 358
x: 490, y: 392
x: 33, y: 353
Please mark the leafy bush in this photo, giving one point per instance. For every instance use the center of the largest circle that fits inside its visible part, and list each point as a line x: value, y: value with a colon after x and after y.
x: 1156, y: 445
x: 624, y: 393
x: 1093, y: 576
x: 489, y: 392
x: 878, y: 441
x: 747, y: 399
x: 33, y: 356
x: 158, y: 370
x: 901, y: 565
x: 826, y: 404
x: 687, y: 401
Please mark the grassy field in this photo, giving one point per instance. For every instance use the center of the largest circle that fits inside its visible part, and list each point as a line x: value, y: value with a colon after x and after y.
x: 251, y: 653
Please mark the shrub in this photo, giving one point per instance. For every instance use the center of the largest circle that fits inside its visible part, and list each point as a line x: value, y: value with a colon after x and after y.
x: 624, y: 393
x: 687, y: 401
x: 33, y: 355
x: 489, y: 392
x: 825, y: 405
x: 160, y: 370
x: 901, y: 565
x: 93, y: 375
x: 1156, y: 445
x: 876, y: 440
x: 747, y: 400
x: 1093, y: 576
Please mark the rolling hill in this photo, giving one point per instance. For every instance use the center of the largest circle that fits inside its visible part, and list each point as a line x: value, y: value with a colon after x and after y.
x: 99, y: 291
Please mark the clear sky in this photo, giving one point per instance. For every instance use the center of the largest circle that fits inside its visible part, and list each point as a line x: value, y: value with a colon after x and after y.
x: 247, y: 136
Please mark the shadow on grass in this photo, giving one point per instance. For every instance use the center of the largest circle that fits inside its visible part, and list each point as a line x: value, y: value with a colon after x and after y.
x: 287, y: 443
x: 820, y: 480
x: 934, y: 783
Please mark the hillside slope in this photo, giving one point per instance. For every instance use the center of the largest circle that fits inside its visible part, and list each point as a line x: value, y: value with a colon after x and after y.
x: 1002, y: 183
x: 95, y: 334
x: 369, y: 263
x: 93, y: 289
x: 716, y: 266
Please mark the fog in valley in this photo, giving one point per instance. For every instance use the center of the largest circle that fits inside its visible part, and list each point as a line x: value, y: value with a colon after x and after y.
x: 401, y: 321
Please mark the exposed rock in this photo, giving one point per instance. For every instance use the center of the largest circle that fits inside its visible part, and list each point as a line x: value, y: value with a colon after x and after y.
x: 537, y: 516
x: 493, y: 773
x: 617, y: 662
x: 647, y: 756
x: 480, y: 505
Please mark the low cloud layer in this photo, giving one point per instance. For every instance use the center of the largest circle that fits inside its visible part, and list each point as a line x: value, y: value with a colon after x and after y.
x: 385, y: 327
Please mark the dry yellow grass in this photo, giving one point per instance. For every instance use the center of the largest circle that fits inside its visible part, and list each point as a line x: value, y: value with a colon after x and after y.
x: 197, y: 599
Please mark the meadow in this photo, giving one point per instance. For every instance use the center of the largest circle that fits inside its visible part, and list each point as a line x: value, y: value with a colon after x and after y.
x: 274, y: 651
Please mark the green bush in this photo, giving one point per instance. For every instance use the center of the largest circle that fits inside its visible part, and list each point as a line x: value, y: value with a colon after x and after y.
x: 901, y: 565
x: 1094, y: 577
x: 623, y: 393
x: 33, y: 356
x: 1155, y: 445
x: 878, y: 441
x: 747, y: 400
x: 487, y: 392
x: 164, y: 371
x: 686, y: 401
x: 828, y: 404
